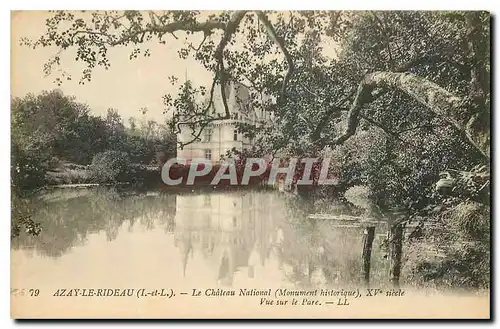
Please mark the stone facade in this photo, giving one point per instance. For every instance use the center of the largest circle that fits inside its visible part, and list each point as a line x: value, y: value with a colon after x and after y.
x: 222, y: 136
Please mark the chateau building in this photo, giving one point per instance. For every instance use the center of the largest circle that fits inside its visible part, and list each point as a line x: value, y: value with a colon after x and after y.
x: 221, y: 136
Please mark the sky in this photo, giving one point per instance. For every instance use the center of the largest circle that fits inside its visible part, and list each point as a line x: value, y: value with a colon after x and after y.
x: 127, y: 86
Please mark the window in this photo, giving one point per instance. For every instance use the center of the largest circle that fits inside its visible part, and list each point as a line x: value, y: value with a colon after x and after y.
x: 208, y: 154
x: 207, y: 135
x: 235, y: 135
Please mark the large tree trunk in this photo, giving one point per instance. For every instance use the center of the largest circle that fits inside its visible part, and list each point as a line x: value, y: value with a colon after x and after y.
x: 443, y: 103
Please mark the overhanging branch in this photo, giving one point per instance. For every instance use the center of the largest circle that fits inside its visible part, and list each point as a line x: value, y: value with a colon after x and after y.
x: 437, y: 99
x: 281, y: 45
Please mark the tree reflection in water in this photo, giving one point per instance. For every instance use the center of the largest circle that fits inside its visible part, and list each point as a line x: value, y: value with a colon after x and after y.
x: 69, y: 217
x: 238, y: 233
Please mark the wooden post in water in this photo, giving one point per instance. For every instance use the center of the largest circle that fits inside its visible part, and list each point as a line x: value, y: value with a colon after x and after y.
x: 395, y: 253
x: 368, y: 236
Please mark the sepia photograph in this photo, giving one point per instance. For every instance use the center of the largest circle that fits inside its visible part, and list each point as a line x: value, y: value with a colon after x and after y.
x: 250, y: 164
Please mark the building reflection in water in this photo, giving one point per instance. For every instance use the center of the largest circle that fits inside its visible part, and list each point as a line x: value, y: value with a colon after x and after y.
x: 233, y: 232
x: 239, y: 238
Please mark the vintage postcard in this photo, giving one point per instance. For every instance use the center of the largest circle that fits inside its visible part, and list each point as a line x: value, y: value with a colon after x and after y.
x: 250, y: 164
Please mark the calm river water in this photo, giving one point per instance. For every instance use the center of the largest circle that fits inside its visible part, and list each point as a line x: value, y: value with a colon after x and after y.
x: 118, y: 238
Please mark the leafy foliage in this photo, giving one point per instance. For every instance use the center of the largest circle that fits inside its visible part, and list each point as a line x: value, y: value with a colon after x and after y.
x: 111, y: 167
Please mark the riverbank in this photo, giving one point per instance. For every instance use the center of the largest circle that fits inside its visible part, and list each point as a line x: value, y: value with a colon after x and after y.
x: 74, y: 174
x: 69, y: 175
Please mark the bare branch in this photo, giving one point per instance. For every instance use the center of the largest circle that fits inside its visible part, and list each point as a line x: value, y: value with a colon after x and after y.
x: 201, y: 43
x: 310, y: 92
x: 387, y: 40
x: 429, y: 59
x: 254, y: 85
x: 393, y: 134
x: 205, y: 27
x: 205, y: 111
x: 381, y: 126
x: 315, y: 136
x: 219, y: 55
x: 154, y: 28
x: 281, y: 45
x: 416, y: 128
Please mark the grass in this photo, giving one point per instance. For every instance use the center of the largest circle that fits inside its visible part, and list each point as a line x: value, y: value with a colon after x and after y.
x: 68, y: 173
x: 71, y: 176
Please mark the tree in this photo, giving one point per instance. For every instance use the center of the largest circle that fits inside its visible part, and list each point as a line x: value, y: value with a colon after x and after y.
x: 111, y: 167
x: 114, y: 122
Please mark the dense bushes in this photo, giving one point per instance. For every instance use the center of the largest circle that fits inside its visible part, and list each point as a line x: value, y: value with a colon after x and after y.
x: 111, y: 167
x: 28, y: 169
